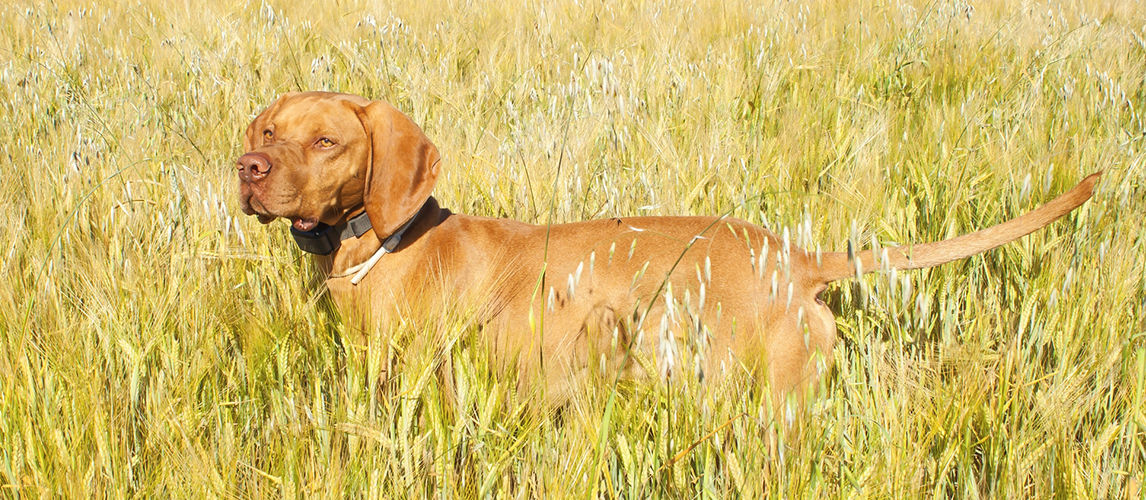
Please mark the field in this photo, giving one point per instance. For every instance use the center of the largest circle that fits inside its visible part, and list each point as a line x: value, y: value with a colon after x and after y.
x: 156, y: 343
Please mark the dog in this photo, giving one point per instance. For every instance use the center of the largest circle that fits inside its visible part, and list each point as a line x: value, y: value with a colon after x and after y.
x: 630, y: 296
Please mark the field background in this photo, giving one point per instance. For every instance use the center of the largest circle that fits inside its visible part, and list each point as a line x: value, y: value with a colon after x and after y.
x: 155, y: 343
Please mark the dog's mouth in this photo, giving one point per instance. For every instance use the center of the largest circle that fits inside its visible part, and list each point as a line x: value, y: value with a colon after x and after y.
x: 252, y: 202
x: 251, y: 205
x: 300, y: 223
x: 303, y: 224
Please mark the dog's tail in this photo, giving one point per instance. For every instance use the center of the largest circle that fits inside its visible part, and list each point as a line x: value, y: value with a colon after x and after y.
x: 838, y: 265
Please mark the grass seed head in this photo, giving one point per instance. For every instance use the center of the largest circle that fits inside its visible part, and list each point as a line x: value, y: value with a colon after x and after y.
x: 665, y: 350
x: 905, y: 291
x: 763, y: 258
x: 787, y: 243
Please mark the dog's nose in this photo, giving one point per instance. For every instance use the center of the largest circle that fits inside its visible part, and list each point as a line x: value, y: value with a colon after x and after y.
x: 253, y: 166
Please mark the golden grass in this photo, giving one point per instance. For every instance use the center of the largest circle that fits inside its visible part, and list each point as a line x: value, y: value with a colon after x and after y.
x: 155, y: 343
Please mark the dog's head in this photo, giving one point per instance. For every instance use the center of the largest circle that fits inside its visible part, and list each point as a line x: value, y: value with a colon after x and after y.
x: 315, y: 157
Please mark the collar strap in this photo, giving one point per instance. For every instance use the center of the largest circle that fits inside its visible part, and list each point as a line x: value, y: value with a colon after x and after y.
x: 324, y: 239
x: 389, y: 245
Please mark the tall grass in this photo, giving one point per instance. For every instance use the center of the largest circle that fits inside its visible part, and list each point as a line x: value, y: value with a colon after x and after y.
x: 156, y: 343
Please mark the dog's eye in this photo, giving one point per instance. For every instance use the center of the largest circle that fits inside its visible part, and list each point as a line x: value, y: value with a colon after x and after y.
x: 324, y: 142
x: 268, y: 135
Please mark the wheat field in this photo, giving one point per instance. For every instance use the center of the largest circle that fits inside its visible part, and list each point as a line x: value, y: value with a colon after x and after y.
x: 156, y: 343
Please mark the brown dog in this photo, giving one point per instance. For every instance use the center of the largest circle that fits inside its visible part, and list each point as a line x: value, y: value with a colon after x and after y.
x: 635, y: 294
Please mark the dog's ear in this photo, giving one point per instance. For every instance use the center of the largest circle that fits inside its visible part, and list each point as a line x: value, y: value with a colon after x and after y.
x: 254, y: 139
x: 401, y: 170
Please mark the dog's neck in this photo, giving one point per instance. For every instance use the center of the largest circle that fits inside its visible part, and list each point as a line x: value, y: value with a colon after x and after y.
x: 357, y: 256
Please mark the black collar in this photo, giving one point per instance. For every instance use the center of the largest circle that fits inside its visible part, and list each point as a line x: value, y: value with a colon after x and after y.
x: 324, y: 239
